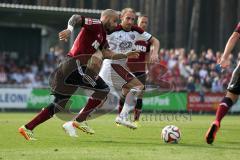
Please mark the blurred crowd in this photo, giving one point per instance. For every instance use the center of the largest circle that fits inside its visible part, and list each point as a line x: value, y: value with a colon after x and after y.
x: 34, y: 74
x: 195, y: 72
x: 191, y: 71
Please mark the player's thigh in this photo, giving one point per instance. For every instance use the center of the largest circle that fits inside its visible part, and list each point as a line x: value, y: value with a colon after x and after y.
x: 141, y: 76
x: 102, y: 88
x: 58, y: 85
x: 134, y: 83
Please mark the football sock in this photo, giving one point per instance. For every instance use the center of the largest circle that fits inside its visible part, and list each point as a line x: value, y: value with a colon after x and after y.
x: 138, y: 109
x: 90, y: 106
x: 42, y: 116
x: 121, y: 103
x: 128, y: 105
x: 223, y: 108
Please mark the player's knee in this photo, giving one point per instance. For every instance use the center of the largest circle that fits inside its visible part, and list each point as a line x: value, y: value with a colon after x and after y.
x: 141, y: 87
x: 136, y: 91
x: 228, y: 102
x: 125, y: 90
x: 51, y: 108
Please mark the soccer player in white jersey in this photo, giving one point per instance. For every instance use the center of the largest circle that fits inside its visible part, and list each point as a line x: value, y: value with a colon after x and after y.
x: 121, y: 40
x: 138, y: 67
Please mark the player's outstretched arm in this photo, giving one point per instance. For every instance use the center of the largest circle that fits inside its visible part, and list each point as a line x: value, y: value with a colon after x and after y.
x: 155, y: 45
x: 228, y: 49
x: 108, y: 54
x: 74, y: 20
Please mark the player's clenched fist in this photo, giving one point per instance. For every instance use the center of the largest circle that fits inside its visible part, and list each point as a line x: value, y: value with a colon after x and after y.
x: 224, y: 62
x: 63, y: 35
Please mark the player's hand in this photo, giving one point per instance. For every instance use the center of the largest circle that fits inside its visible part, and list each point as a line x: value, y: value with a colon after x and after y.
x: 132, y: 54
x: 224, y: 62
x: 153, y: 58
x: 63, y: 35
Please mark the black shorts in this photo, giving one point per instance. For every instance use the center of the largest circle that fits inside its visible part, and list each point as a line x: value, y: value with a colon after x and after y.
x: 66, y: 79
x: 234, y: 85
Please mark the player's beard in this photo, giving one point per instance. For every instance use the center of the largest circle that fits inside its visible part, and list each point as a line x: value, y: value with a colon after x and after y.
x: 127, y: 27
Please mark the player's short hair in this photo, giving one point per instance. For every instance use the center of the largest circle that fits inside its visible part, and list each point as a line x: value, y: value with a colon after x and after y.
x: 141, y: 16
x: 108, y: 12
x: 125, y: 10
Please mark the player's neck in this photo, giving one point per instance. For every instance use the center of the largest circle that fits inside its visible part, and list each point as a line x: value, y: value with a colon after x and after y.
x: 125, y: 28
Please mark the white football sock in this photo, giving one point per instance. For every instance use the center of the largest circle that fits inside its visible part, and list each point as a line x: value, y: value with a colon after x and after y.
x: 129, y: 104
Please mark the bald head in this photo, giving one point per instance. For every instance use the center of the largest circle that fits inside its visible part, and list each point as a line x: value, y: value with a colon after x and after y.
x: 109, y: 12
x: 109, y: 18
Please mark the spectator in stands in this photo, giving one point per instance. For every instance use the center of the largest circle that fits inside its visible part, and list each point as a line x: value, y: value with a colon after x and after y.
x: 191, y: 84
x: 217, y: 85
x: 3, y: 75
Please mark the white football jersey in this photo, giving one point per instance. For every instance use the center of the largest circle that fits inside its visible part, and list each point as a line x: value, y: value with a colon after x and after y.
x: 121, y: 41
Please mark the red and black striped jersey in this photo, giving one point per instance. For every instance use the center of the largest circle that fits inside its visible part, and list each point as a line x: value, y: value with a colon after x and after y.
x: 91, y: 37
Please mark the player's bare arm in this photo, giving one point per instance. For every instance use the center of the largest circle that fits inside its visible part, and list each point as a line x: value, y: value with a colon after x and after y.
x: 94, y: 64
x: 224, y: 62
x: 155, y: 45
x: 108, y: 54
x: 74, y: 20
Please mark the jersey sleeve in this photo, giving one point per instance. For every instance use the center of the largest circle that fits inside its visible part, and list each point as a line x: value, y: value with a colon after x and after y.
x: 145, y: 36
x: 90, y: 23
x: 141, y: 34
x: 237, y: 29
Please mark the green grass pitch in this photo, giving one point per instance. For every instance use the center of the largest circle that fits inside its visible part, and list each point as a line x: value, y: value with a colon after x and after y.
x: 117, y: 143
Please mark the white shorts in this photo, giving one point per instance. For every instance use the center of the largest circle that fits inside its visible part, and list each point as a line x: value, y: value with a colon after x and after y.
x: 115, y: 75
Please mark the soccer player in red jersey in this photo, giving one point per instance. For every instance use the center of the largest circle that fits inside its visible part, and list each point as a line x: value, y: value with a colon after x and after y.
x: 78, y: 70
x: 233, y: 89
x: 115, y: 72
